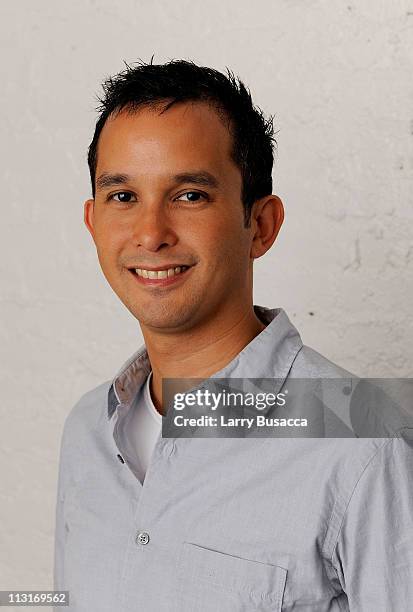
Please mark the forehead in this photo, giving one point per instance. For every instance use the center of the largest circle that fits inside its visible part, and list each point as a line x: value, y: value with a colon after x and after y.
x: 190, y: 133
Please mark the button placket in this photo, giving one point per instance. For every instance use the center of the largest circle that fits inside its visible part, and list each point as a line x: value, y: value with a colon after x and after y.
x: 120, y: 411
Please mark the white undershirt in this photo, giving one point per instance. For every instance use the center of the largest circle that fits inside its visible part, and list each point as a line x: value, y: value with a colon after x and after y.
x: 143, y: 429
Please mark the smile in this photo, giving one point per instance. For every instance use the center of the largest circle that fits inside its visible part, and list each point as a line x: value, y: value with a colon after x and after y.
x: 161, y: 278
x: 167, y: 273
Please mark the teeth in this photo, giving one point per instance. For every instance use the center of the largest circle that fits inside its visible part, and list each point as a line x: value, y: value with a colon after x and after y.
x: 155, y: 274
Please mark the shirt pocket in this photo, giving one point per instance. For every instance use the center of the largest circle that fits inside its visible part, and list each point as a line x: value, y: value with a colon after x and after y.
x: 212, y: 581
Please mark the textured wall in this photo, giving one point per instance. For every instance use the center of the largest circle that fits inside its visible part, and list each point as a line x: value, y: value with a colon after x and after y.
x: 338, y: 77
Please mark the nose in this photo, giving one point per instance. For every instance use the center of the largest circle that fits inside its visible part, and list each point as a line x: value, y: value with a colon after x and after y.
x: 152, y: 228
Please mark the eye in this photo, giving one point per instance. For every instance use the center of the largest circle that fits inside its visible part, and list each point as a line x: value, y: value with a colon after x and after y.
x: 193, y: 196
x: 121, y: 196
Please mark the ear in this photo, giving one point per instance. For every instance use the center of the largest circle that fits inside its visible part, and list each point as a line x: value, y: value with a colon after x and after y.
x: 267, y: 216
x: 88, y: 215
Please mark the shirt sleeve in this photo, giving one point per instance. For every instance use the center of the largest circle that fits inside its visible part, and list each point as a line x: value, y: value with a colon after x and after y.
x: 373, y: 556
x: 60, y: 530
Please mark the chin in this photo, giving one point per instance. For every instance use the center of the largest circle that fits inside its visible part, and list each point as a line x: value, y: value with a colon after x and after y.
x: 158, y: 316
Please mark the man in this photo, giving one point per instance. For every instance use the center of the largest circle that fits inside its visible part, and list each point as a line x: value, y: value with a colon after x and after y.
x: 182, y: 204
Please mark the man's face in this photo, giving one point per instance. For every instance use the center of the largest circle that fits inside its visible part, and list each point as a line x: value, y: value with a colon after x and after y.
x: 149, y: 217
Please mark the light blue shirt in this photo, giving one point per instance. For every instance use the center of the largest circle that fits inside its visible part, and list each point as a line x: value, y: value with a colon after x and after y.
x: 229, y: 524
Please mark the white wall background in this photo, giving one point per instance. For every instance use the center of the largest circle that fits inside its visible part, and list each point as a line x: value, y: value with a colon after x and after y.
x: 338, y: 77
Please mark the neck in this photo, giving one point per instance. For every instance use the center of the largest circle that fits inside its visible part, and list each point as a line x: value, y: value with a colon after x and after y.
x: 199, y: 352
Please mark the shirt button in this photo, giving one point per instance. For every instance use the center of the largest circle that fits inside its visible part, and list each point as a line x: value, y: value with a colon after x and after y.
x: 142, y: 538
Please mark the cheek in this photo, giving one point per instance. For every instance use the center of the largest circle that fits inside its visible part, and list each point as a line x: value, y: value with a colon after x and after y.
x: 224, y: 249
x: 210, y: 233
x: 110, y: 238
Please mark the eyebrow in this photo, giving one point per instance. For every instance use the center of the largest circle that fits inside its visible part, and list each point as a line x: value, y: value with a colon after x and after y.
x: 197, y: 177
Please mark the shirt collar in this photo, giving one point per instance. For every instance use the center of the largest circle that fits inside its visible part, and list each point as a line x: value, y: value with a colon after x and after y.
x: 268, y: 355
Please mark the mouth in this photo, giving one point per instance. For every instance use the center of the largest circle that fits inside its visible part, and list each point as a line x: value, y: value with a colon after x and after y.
x: 160, y: 277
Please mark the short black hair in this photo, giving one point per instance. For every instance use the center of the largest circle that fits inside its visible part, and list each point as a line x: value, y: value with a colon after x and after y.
x: 183, y: 81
